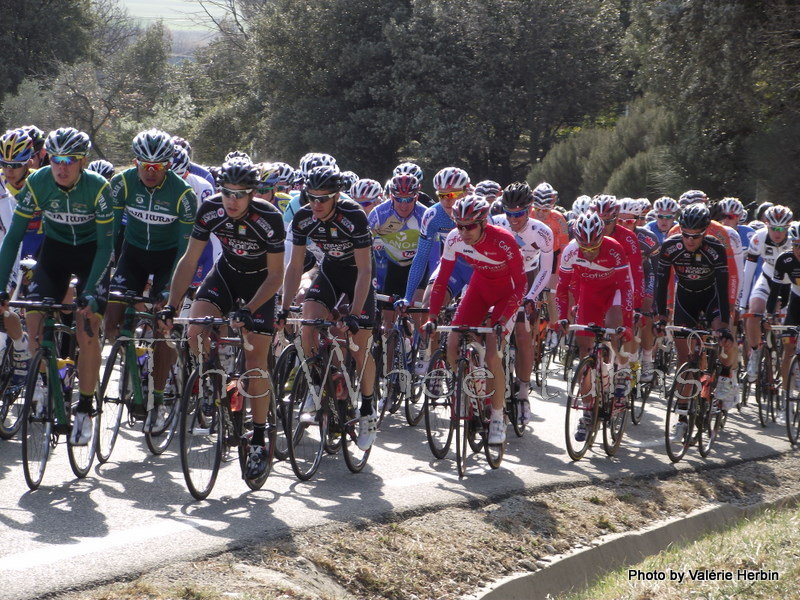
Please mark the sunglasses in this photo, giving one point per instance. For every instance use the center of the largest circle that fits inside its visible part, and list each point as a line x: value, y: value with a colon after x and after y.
x: 467, y: 227
x: 405, y: 199
x: 609, y: 221
x: 778, y: 229
x: 451, y: 195
x: 156, y: 167
x: 731, y: 217
x: 64, y: 159
x: 665, y: 216
x: 628, y: 219
x: 237, y: 194
x: 516, y: 213
x: 693, y: 236
x: 364, y: 203
x: 11, y: 165
x: 321, y: 199
x: 590, y: 248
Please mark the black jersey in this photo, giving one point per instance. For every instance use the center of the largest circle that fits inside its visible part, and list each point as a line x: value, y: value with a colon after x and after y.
x: 696, y: 271
x: 337, y: 237
x: 245, y: 241
x: 787, y: 264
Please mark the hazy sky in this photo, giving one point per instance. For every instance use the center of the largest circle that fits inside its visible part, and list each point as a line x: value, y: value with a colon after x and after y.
x: 178, y: 14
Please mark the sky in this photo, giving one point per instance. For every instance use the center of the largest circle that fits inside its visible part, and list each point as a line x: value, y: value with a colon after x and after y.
x: 177, y: 14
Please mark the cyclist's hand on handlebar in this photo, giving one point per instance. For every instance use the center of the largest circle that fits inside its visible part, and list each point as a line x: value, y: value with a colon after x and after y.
x: 725, y: 334
x: 430, y: 325
x: 243, y: 318
x: 353, y: 323
x: 529, y: 306
x: 626, y: 333
x: 564, y: 324
x: 401, y: 305
x: 165, y: 316
x: 660, y: 328
x: 280, y: 318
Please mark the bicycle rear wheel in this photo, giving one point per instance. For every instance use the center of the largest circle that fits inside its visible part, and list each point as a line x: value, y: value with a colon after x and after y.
x: 415, y: 400
x: 80, y: 457
x: 793, y: 402
x: 286, y: 369
x: 396, y: 379
x: 200, y: 433
x: 439, y: 422
x: 615, y: 418
x: 710, y: 419
x: 685, y: 384
x: 762, y: 385
x: 306, y: 438
x: 12, y: 397
x: 159, y: 441
x: 582, y: 405
x: 115, y: 393
x: 37, y: 423
x: 463, y: 419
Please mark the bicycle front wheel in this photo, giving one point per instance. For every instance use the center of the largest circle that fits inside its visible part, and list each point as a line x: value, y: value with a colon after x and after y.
x: 762, y: 385
x: 81, y: 456
x: 710, y: 419
x: 415, y: 399
x: 463, y: 419
x: 682, y: 399
x: 793, y: 402
x: 615, y: 417
x: 286, y: 369
x: 307, y: 434
x: 200, y: 433
x: 115, y: 393
x: 439, y: 422
x: 170, y: 408
x: 12, y: 397
x: 37, y: 423
x: 396, y: 379
x: 583, y: 409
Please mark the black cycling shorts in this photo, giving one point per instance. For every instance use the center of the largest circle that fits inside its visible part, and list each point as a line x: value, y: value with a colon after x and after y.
x: 793, y: 310
x: 223, y: 286
x: 690, y: 305
x: 333, y: 280
x: 135, y: 266
x: 394, y: 284
x: 57, y: 264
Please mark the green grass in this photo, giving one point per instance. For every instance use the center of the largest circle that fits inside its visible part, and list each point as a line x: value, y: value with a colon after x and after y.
x: 765, y: 546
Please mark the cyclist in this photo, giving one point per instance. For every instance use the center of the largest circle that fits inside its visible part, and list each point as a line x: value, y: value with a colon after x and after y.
x: 102, y: 167
x: 544, y: 202
x: 19, y: 159
x: 194, y: 168
x: 595, y: 269
x: 758, y: 222
x: 787, y: 266
x: 368, y: 193
x: 78, y: 219
x: 285, y: 183
x: 160, y: 208
x: 767, y: 243
x: 701, y: 274
x: 498, y: 284
x: 410, y: 168
x: 535, y: 241
x: 340, y: 230
x: 39, y: 158
x: 250, y: 270
x: 666, y: 210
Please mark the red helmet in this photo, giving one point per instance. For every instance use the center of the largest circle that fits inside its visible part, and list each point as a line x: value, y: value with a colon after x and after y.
x: 607, y: 207
x: 404, y: 186
x: 471, y: 209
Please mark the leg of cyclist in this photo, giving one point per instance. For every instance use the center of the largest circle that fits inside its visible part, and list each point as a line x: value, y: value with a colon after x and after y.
x: 758, y: 305
x: 647, y: 339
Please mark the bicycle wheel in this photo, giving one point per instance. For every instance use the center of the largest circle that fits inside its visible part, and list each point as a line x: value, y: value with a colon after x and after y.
x: 37, y: 424
x: 539, y: 353
x: 396, y: 376
x: 463, y: 417
x: 548, y: 374
x: 306, y: 437
x: 640, y: 391
x: 439, y: 424
x: 762, y: 385
x: 115, y: 393
x: 777, y: 409
x: 615, y: 417
x: 200, y: 435
x: 243, y: 430
x: 284, y: 374
x: 582, y: 405
x: 793, y: 402
x: 682, y: 400
x: 710, y: 419
x: 12, y: 397
x: 80, y: 457
x: 158, y: 441
x: 570, y: 354
x: 415, y: 400
x: 354, y: 457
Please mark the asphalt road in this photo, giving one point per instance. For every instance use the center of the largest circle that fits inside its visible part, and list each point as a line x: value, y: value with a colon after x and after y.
x: 134, y: 513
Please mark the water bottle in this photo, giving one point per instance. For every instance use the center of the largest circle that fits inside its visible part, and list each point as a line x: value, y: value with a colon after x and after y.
x: 66, y: 366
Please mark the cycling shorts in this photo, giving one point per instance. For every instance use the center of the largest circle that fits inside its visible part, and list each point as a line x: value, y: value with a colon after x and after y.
x: 224, y: 286
x: 766, y: 289
x: 594, y: 309
x: 332, y: 281
x: 691, y: 305
x: 481, y: 297
x: 135, y: 267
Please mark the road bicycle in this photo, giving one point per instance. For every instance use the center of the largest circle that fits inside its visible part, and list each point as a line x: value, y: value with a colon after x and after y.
x: 325, y: 400
x: 793, y: 395
x: 768, y: 384
x: 214, y: 412
x: 48, y: 408
x: 127, y: 381
x: 590, y: 400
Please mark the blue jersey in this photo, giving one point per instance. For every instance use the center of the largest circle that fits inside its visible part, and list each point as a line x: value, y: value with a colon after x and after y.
x: 654, y: 228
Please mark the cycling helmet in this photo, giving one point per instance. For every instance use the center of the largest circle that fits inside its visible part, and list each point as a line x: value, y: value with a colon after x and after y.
x: 16, y: 146
x: 409, y: 168
x: 629, y: 206
x: 487, y: 187
x: 180, y: 161
x: 607, y: 207
x: 153, y: 145
x: 471, y: 209
x: 404, y: 186
x: 450, y: 178
x: 695, y: 216
x: 732, y: 207
x: 68, y: 141
x: 348, y: 179
x: 286, y: 173
x: 179, y: 141
x: 239, y: 171
x: 497, y: 208
x: 544, y: 196
x: 103, y: 167
x: 581, y: 205
x: 692, y: 196
x: 316, y: 159
x: 237, y: 154
x: 324, y: 177
x: 366, y: 189
x: 588, y: 230
x: 778, y: 216
x: 517, y: 196
x: 666, y: 206
x: 36, y: 134
x: 762, y: 208
x: 794, y: 231
x: 268, y: 176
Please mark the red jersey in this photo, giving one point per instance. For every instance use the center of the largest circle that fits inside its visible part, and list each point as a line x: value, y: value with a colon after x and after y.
x: 630, y: 245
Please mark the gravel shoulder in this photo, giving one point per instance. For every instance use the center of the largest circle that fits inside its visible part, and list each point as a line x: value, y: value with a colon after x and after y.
x: 453, y: 551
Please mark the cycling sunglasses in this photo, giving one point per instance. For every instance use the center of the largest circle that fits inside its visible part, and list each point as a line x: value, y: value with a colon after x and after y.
x: 665, y: 216
x: 64, y: 159
x: 321, y: 199
x: 516, y: 213
x: 11, y: 165
x: 590, y: 248
x: 778, y: 229
x: 236, y: 194
x: 156, y: 167
x: 405, y: 199
x: 451, y: 195
x: 693, y: 236
x: 467, y: 227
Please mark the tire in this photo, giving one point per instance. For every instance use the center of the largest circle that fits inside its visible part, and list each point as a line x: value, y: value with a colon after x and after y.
x: 158, y: 442
x: 762, y: 387
x: 614, y: 423
x: 676, y: 449
x: 514, y: 408
x: 539, y: 353
x: 306, y: 441
x: 776, y: 403
x: 570, y: 354
x: 354, y: 457
x: 439, y: 422
x: 200, y: 435
x: 579, y: 404
x: 36, y: 431
x: 80, y: 457
x: 394, y: 395
x: 415, y: 401
x: 464, y: 417
x: 793, y: 402
x: 710, y: 420
x: 549, y: 390
x: 284, y: 374
x: 115, y: 394
x: 12, y: 397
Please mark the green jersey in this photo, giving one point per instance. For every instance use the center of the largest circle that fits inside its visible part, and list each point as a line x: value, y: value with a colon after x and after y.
x: 77, y: 216
x: 159, y: 218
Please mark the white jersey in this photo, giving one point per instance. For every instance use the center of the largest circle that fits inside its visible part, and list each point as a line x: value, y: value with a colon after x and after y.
x: 738, y: 255
x: 202, y: 189
x: 762, y: 247
x: 536, y: 245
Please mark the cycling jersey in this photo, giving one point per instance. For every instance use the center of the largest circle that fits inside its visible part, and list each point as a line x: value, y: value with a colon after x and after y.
x: 761, y: 246
x: 597, y: 284
x: 558, y: 225
x: 535, y: 241
x: 701, y: 271
x: 395, y: 238
x: 81, y: 215
x: 34, y: 235
x: 660, y: 236
x: 159, y: 218
x: 498, y: 277
x: 788, y: 266
x: 245, y: 241
x: 339, y: 236
x: 196, y: 169
x: 650, y: 247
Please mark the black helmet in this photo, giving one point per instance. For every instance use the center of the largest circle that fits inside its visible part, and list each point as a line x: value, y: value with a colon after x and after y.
x: 695, y: 216
x: 517, y: 196
x: 239, y: 171
x: 324, y: 178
